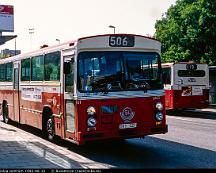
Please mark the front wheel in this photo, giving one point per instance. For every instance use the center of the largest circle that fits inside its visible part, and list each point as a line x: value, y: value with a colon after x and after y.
x: 50, y: 127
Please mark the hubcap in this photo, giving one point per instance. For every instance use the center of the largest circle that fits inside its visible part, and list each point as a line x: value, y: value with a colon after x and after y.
x: 50, y: 127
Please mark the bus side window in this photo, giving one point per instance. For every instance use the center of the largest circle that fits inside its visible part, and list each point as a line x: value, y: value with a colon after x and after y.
x: 37, y: 68
x: 25, y: 69
x: 167, y: 76
x: 6, y: 72
x: 52, y: 66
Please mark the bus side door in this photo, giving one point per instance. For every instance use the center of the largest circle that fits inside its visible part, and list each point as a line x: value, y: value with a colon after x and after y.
x: 69, y: 109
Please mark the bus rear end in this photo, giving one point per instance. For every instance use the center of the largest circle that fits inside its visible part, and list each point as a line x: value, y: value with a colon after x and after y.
x: 119, y: 92
x: 189, y: 86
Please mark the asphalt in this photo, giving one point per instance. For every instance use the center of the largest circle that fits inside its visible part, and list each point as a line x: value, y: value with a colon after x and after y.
x: 211, y: 110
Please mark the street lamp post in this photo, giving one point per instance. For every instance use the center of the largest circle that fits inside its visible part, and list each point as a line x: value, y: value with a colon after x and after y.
x: 15, y: 47
x: 31, y: 31
x: 111, y: 26
x: 58, y: 40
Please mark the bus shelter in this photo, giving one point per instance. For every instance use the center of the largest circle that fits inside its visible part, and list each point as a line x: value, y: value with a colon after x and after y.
x: 5, y: 38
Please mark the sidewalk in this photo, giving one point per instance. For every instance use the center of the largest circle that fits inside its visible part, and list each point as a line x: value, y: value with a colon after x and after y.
x: 20, y: 149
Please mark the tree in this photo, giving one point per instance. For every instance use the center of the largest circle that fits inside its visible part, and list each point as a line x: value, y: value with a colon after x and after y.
x: 187, y: 32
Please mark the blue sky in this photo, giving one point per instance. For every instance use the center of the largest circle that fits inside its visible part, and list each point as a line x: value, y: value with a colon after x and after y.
x: 70, y: 19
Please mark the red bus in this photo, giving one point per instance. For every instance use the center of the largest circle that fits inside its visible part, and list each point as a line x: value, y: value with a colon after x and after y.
x: 186, y: 85
x: 94, y: 88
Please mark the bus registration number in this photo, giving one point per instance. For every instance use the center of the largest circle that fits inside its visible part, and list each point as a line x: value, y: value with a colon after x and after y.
x: 127, y: 126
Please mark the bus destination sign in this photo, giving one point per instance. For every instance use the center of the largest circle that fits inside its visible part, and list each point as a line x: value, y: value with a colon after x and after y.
x: 121, y: 41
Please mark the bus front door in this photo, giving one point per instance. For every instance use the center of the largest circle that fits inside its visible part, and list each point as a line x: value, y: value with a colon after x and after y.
x: 69, y: 115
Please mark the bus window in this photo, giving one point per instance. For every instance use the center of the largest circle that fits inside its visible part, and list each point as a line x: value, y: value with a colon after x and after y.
x: 167, y: 75
x: 25, y: 70
x: 9, y: 72
x: 52, y: 66
x: 37, y: 68
x: 69, y: 78
x: 2, y: 72
x: 142, y: 66
x: 99, y: 71
x: 115, y: 71
x: 6, y: 72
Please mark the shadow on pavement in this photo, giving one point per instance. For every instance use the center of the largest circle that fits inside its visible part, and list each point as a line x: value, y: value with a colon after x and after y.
x: 192, y: 114
x: 148, y: 153
x: 8, y: 129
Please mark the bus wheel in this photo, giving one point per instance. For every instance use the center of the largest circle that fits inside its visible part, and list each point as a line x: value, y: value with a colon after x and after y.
x: 50, y: 126
x: 5, y: 112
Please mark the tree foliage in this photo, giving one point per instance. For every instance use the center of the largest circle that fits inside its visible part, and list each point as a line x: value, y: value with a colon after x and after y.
x: 188, y: 32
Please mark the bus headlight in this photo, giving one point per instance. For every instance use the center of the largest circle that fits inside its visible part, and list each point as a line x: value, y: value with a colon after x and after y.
x: 159, y: 116
x: 91, y: 110
x: 91, y: 122
x: 159, y: 106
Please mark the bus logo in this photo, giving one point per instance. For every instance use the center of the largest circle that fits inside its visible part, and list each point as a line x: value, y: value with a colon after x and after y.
x: 127, y: 114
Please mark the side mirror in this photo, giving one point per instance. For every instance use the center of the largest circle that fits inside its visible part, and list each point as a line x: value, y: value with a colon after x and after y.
x: 67, y: 67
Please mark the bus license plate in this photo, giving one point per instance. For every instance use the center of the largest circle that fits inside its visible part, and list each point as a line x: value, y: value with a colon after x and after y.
x: 127, y: 126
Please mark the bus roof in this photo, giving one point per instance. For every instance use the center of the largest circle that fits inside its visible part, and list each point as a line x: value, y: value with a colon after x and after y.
x: 82, y: 38
x: 63, y: 45
x: 173, y: 63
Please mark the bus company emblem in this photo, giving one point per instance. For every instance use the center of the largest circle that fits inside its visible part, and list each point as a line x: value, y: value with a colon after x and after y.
x: 127, y: 114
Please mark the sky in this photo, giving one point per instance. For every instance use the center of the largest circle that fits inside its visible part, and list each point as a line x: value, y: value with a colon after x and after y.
x: 71, y: 19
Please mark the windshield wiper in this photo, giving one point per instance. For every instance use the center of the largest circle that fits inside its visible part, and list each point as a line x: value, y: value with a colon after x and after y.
x: 145, y: 86
x: 141, y: 84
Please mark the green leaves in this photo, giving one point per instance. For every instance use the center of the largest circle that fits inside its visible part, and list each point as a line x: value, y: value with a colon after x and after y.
x: 187, y: 32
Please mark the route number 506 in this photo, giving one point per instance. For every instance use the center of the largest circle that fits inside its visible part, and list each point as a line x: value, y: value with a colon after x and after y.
x: 121, y: 41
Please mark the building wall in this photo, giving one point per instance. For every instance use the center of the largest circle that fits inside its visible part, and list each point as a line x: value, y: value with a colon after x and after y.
x: 7, y: 53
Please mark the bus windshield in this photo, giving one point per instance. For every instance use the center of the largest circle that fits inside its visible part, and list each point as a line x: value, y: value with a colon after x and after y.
x: 118, y: 71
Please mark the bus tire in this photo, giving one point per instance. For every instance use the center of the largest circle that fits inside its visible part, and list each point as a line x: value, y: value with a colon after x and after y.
x: 5, y: 112
x: 50, y: 126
